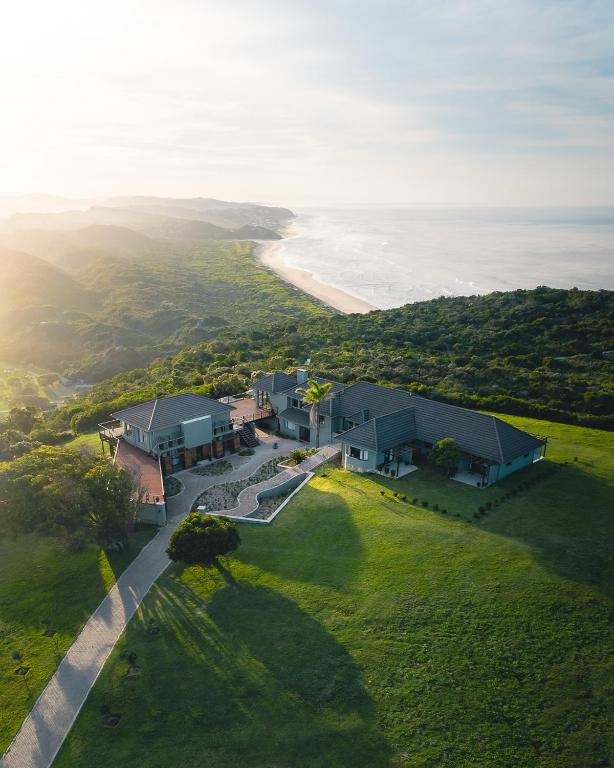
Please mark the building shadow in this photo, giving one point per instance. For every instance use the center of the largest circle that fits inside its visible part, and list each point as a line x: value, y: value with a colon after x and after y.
x: 241, y: 676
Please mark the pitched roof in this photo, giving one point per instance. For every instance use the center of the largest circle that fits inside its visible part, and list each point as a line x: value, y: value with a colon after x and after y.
x: 383, y: 432
x: 296, y: 416
x: 168, y: 412
x: 275, y: 382
x: 327, y: 407
x: 476, y: 433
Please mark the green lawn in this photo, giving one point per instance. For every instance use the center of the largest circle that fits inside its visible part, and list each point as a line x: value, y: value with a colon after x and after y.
x: 86, y: 440
x: 362, y: 630
x: 41, y: 580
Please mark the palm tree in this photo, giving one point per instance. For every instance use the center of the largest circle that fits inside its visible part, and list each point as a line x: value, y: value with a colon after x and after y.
x: 315, y: 394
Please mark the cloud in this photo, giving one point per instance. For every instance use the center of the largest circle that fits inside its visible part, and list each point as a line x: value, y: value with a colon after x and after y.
x: 308, y: 100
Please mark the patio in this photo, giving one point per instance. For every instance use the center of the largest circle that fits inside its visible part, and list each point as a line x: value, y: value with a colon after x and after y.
x: 469, y: 478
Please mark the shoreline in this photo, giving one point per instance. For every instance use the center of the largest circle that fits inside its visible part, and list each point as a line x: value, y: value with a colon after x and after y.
x: 267, y: 252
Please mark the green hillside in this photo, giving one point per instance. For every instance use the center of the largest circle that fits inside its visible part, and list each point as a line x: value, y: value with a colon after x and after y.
x: 92, y: 303
x: 543, y: 352
x: 365, y: 630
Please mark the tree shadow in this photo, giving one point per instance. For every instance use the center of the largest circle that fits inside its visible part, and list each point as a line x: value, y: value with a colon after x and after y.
x: 313, y: 540
x: 242, y: 676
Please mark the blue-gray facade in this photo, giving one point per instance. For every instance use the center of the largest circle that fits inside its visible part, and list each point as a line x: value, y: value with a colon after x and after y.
x: 383, y: 429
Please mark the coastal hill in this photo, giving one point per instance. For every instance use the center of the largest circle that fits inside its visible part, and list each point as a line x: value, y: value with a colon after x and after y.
x: 90, y: 293
x: 545, y: 352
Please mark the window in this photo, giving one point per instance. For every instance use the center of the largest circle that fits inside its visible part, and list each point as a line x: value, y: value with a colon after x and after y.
x: 288, y: 425
x: 294, y: 402
x: 358, y: 453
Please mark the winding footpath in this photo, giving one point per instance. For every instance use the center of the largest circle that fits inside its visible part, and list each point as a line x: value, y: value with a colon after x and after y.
x: 54, y: 712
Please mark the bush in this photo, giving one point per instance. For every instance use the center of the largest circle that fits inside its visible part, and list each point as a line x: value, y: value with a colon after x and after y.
x: 481, y: 510
x: 247, y: 452
x: 436, y: 507
x: 297, y: 455
x: 425, y: 503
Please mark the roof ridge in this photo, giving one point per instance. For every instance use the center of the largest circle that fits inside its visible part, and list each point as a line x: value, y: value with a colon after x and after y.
x: 153, y: 410
x: 495, y: 420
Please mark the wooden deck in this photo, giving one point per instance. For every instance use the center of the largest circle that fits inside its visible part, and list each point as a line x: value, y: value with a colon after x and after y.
x: 143, y: 468
x: 247, y: 410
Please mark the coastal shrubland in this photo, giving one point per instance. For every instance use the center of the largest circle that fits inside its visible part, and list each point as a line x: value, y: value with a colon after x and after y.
x: 544, y: 352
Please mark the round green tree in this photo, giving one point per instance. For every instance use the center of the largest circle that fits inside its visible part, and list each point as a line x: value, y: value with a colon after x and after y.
x: 446, y: 455
x: 201, y: 539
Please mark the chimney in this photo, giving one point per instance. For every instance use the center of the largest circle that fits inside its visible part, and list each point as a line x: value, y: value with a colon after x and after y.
x: 302, y: 375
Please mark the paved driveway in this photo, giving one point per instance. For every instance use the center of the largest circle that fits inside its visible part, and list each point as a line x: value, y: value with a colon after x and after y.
x: 51, y: 718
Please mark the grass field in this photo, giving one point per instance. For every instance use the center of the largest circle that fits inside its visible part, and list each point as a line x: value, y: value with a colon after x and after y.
x: 86, y: 440
x: 40, y: 580
x: 362, y: 630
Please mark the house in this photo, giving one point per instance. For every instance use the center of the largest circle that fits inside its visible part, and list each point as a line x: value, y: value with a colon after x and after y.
x: 387, y: 430
x: 180, y: 430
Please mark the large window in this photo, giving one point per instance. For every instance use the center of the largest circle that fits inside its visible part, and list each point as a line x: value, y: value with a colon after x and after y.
x: 294, y: 402
x: 358, y: 453
x: 289, y: 425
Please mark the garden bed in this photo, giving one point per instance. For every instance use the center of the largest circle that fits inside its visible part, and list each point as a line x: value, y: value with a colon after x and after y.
x: 172, y: 487
x: 217, y: 468
x: 225, y: 495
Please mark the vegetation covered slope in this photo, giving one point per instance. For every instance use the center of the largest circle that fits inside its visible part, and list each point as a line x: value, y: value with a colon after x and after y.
x: 542, y: 352
x: 369, y: 631
x: 91, y: 304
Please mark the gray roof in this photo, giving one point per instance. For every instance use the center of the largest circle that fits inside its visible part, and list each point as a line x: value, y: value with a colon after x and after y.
x: 168, y: 412
x: 476, y: 433
x: 383, y: 432
x: 275, y: 382
x: 296, y: 416
x: 327, y: 407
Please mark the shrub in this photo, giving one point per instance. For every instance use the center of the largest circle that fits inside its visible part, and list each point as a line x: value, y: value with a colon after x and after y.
x: 297, y: 455
x: 425, y: 503
x: 383, y: 493
x: 481, y: 510
x: 436, y: 507
x: 247, y: 452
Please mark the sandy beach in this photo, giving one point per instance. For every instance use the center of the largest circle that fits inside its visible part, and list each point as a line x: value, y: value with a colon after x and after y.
x: 268, y: 254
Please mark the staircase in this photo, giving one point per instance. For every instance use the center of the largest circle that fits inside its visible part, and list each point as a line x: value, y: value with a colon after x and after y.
x: 247, y: 434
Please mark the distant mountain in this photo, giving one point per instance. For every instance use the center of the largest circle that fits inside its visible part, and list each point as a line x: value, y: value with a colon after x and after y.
x: 93, y: 290
x: 222, y: 213
x: 95, y: 301
x: 39, y: 203
x: 151, y: 224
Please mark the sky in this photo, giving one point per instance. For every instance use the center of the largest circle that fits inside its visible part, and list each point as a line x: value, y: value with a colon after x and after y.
x: 305, y: 103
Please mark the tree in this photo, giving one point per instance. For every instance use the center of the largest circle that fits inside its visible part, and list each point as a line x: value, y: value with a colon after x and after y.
x: 315, y: 394
x: 22, y: 419
x: 63, y: 494
x: 201, y: 539
x: 113, y: 510
x: 446, y: 455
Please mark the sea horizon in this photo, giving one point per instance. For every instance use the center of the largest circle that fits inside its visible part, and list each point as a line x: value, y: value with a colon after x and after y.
x: 390, y: 256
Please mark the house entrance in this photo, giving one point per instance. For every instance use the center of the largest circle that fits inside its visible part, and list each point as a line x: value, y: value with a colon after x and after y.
x: 304, y: 434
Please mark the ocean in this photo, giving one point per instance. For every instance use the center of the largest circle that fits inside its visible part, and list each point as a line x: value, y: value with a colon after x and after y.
x: 389, y: 257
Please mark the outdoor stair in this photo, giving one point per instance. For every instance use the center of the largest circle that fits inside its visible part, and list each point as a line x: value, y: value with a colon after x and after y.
x: 247, y: 435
